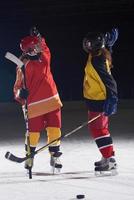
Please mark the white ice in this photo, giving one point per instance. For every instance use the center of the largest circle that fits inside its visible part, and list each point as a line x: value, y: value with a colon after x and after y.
x: 77, y: 175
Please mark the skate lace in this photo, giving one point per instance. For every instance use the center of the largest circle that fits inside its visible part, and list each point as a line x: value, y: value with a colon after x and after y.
x: 54, y: 161
x: 29, y: 162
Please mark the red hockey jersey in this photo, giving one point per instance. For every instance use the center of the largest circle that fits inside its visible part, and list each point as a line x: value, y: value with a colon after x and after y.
x: 43, y: 95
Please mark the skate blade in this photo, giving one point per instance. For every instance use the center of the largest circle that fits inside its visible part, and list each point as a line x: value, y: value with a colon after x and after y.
x: 112, y: 172
x: 55, y: 170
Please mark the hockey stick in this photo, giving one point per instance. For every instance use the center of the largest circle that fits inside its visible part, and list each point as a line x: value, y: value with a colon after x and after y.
x: 14, y: 59
x: 20, y: 64
x: 14, y: 158
x: 27, y: 137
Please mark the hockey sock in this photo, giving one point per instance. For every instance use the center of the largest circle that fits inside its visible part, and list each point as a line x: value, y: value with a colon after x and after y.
x: 33, y: 141
x: 52, y: 134
x: 33, y: 138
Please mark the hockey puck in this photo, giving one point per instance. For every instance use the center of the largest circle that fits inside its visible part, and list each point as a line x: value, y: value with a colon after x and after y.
x: 80, y: 196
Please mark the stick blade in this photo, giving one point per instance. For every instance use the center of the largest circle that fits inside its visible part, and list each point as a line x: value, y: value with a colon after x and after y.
x: 14, y: 158
x: 14, y: 59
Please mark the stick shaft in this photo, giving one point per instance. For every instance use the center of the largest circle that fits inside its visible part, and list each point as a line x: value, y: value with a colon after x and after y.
x: 68, y: 134
x: 11, y: 157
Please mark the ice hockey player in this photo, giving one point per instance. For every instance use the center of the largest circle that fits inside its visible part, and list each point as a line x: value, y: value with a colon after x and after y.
x: 100, y: 94
x: 40, y: 94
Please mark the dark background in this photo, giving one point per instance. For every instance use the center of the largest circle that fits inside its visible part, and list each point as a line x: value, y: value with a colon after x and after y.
x: 64, y: 24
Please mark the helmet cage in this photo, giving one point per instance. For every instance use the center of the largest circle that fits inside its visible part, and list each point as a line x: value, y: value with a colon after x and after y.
x: 98, y: 42
x: 94, y: 41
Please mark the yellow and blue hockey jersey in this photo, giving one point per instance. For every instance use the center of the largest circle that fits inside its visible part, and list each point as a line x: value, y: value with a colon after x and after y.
x: 99, y: 83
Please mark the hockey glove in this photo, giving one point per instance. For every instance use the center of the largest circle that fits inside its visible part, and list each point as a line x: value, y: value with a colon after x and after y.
x: 110, y: 38
x: 110, y: 105
x: 23, y: 93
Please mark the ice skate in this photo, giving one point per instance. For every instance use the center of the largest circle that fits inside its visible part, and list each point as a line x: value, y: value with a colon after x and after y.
x: 107, y: 166
x: 29, y: 163
x: 55, y: 162
x: 100, y: 162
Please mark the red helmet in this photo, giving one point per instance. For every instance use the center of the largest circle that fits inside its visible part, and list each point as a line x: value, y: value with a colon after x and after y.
x: 29, y: 43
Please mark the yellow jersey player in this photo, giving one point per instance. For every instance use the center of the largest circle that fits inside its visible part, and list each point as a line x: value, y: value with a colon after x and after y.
x: 100, y: 94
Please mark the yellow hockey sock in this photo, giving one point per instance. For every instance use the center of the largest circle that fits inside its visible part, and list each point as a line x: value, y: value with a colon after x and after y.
x: 52, y: 134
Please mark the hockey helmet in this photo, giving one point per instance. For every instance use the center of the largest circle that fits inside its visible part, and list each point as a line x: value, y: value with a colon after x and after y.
x: 30, y: 45
x: 93, y: 41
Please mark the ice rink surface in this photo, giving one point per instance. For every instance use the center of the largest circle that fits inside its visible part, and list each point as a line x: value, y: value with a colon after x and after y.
x: 79, y: 154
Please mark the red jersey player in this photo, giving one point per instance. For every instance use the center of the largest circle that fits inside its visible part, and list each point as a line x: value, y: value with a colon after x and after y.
x: 43, y: 101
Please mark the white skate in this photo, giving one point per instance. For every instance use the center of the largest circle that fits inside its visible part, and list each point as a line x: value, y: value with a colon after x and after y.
x: 55, y: 162
x: 106, y: 166
x: 29, y: 163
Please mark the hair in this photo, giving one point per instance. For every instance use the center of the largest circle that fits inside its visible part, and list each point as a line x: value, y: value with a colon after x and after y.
x: 105, y: 52
x: 108, y: 56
